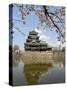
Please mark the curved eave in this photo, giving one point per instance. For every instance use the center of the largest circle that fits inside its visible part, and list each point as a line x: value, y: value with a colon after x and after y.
x: 32, y: 44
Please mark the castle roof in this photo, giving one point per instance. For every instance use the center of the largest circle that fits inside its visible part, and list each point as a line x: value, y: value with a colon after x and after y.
x: 33, y: 32
x: 33, y: 42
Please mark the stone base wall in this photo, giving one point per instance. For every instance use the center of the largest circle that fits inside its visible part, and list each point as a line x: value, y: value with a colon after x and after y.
x: 42, y: 57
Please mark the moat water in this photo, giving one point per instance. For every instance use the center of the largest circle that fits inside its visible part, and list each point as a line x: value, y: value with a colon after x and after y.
x: 38, y: 74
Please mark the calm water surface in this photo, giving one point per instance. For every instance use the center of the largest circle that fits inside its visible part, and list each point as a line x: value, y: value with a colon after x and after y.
x: 38, y: 74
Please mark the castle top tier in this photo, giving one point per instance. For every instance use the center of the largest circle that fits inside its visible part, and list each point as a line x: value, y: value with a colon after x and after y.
x: 33, y: 32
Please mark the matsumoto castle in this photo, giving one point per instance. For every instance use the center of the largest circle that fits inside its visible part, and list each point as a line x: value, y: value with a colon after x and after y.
x: 34, y: 44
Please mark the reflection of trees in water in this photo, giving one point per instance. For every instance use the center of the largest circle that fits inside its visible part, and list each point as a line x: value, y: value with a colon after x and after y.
x: 16, y: 55
x: 59, y: 58
x: 33, y: 71
x: 15, y: 63
x: 17, y: 52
